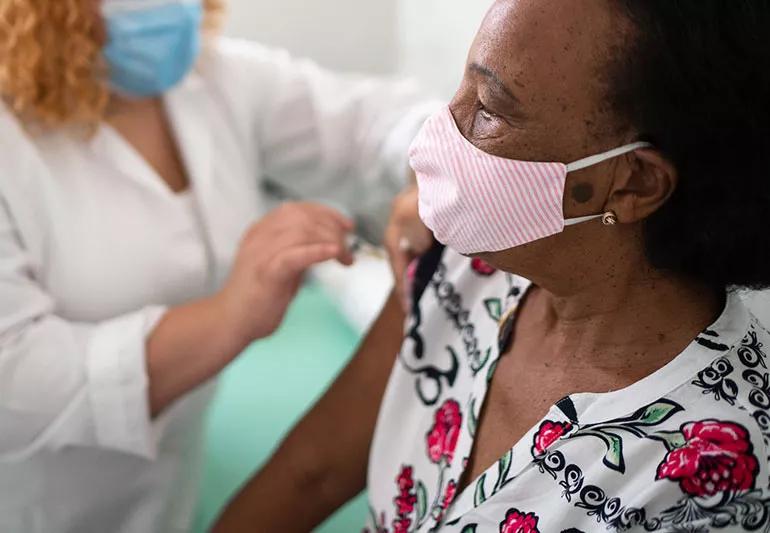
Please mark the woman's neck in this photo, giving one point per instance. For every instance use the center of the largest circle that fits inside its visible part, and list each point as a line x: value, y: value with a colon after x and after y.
x: 618, y: 310
x: 120, y: 105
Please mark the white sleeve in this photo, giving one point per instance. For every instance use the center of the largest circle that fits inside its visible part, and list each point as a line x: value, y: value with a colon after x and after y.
x: 335, y: 137
x: 64, y: 383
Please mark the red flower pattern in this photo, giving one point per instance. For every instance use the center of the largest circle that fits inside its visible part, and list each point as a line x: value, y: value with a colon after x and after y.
x: 548, y: 433
x: 406, y: 498
x: 449, y: 497
x: 481, y: 267
x: 401, y: 525
x: 717, y: 457
x: 518, y: 522
x: 442, y: 438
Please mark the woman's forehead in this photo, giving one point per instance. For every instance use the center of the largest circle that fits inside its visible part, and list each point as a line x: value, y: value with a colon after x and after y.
x: 556, y: 43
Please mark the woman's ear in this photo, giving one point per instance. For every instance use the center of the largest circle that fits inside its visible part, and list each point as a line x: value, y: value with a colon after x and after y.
x: 646, y: 183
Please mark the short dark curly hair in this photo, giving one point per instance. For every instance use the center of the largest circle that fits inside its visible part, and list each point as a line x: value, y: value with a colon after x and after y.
x: 695, y: 81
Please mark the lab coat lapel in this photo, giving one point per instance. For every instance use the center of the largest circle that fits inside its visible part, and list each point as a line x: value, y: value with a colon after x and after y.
x: 218, y: 162
x: 189, y: 108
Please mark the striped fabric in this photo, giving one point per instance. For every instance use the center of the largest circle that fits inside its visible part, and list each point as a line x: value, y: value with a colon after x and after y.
x: 476, y: 202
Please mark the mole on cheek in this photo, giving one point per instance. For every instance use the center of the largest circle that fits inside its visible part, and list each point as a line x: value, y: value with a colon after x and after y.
x: 582, y: 192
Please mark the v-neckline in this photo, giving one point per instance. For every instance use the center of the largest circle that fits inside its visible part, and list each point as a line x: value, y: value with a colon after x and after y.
x: 120, y: 154
x: 192, y: 146
x: 587, y: 408
x: 506, y: 327
x: 141, y: 167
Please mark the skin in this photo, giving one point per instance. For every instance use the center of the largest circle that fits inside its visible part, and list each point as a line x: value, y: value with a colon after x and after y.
x: 323, y: 462
x: 195, y: 341
x: 405, y: 227
x: 598, y: 318
x: 145, y: 126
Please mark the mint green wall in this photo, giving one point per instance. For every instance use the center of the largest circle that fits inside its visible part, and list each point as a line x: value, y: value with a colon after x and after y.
x: 265, y: 392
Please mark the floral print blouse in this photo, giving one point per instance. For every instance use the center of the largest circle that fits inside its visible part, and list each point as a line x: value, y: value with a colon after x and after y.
x: 683, y: 450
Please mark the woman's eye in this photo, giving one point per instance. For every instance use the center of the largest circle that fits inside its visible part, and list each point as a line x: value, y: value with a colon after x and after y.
x: 487, y: 124
x: 486, y: 114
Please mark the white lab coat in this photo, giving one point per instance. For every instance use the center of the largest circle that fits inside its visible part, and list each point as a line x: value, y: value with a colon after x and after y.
x: 94, y: 247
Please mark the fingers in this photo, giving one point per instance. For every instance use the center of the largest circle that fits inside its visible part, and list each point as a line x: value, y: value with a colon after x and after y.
x: 326, y: 214
x: 315, y: 228
x: 309, y: 239
x: 337, y: 226
x: 345, y: 258
x: 274, y: 255
x: 292, y: 215
x: 320, y: 234
x: 293, y: 262
x: 295, y: 224
x: 406, y: 238
x: 399, y: 261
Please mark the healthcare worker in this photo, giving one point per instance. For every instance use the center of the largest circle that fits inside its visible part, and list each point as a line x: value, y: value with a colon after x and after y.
x: 134, y: 266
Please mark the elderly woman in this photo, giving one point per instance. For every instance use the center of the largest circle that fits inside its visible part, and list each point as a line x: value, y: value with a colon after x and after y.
x: 589, y: 367
x: 137, y: 255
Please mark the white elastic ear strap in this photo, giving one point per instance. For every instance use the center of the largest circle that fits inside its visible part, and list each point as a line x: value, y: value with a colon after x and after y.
x: 580, y: 220
x: 600, y: 158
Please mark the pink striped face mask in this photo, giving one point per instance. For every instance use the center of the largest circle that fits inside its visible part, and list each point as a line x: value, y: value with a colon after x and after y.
x: 475, y: 202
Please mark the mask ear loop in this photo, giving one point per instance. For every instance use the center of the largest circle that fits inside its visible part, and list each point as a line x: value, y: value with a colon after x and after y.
x: 580, y: 164
x: 609, y: 218
x: 580, y: 220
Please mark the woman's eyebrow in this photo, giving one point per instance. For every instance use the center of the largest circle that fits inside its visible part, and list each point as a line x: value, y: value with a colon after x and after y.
x: 495, y: 79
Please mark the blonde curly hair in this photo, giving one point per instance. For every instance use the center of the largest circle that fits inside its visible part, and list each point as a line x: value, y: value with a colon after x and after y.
x: 51, y: 69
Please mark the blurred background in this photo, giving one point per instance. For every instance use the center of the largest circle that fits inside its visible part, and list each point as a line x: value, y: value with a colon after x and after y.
x: 422, y: 39
x: 425, y: 39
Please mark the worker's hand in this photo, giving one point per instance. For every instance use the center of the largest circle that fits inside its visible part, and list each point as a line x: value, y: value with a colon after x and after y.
x: 271, y: 263
x: 405, y: 238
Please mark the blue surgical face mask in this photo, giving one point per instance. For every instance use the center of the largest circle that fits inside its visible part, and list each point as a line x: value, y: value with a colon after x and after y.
x: 151, y: 44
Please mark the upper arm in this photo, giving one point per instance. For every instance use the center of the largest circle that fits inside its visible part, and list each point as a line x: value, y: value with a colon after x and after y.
x: 63, y: 382
x: 326, y: 454
x: 348, y: 411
